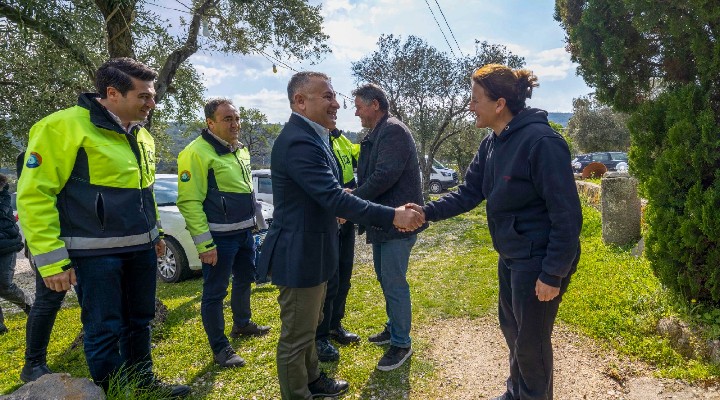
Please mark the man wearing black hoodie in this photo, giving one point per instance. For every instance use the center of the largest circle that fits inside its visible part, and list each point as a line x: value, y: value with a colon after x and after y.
x: 523, y: 171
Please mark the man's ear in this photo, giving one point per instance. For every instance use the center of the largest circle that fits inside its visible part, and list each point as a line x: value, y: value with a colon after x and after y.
x: 375, y: 105
x: 299, y: 101
x: 112, y: 93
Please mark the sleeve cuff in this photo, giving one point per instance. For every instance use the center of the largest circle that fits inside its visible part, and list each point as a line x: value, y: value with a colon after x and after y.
x: 551, y: 280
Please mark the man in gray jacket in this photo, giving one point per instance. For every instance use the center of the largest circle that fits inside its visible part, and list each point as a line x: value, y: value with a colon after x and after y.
x: 389, y: 174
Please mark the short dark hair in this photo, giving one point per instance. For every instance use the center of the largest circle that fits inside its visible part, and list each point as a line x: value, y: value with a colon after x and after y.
x: 369, y: 92
x: 212, y: 105
x: 301, y: 79
x: 117, y: 73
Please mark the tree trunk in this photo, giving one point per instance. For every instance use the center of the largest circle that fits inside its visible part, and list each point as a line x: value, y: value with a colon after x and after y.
x: 119, y: 16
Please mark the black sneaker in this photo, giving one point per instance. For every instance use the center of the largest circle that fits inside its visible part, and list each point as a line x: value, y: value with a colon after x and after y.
x: 326, y: 351
x: 327, y: 387
x: 380, y: 338
x: 394, y: 357
x: 227, y: 358
x: 342, y: 336
x: 3, y: 329
x: 251, y: 329
x: 31, y: 373
x: 167, y: 390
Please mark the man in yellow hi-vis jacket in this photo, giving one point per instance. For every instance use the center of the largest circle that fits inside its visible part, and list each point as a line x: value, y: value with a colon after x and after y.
x: 87, y: 209
x: 216, y: 198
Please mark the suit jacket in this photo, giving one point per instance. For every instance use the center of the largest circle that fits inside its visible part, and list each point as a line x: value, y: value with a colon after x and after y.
x: 302, y: 246
x: 389, y: 172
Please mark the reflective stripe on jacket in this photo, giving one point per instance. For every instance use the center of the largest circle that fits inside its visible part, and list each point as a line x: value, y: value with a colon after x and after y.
x: 215, y: 192
x: 86, y: 188
x: 346, y: 154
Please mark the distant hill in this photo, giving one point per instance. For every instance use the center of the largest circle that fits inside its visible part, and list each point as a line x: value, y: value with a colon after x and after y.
x: 560, y: 117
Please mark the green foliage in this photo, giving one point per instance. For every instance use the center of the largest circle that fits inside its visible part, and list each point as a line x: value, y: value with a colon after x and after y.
x: 427, y: 89
x: 595, y: 127
x: 679, y: 175
x: 50, y: 50
x: 661, y: 60
x: 460, y: 149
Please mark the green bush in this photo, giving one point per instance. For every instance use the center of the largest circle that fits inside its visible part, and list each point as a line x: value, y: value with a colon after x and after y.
x: 675, y: 153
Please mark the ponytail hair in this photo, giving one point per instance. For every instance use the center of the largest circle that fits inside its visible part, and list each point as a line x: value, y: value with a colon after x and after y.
x: 499, y: 81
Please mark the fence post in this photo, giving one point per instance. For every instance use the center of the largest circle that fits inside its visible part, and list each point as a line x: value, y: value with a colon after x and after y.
x: 620, y: 209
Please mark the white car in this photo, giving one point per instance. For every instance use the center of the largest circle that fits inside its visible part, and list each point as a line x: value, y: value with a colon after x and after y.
x: 181, y: 256
x: 262, y: 183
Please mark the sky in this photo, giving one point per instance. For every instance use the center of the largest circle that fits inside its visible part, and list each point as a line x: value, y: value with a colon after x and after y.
x: 525, y: 27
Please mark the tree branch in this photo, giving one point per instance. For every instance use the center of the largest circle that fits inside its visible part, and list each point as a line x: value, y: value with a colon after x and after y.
x: 18, y: 17
x: 179, y: 55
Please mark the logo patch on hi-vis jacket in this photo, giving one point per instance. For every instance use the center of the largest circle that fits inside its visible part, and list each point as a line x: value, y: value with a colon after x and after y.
x: 185, y: 176
x: 34, y: 160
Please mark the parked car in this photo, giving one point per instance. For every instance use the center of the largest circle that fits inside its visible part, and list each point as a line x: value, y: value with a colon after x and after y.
x: 611, y: 159
x: 263, y: 185
x: 181, y: 256
x: 442, y: 178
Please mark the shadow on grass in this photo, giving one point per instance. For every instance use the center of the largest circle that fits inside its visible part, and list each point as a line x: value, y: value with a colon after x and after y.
x: 388, y: 385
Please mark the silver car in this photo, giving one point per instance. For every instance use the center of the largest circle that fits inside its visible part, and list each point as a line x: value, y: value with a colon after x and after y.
x: 181, y: 258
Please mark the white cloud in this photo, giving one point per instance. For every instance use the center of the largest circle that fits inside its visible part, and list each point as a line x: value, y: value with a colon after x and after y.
x: 550, y: 65
x: 274, y: 104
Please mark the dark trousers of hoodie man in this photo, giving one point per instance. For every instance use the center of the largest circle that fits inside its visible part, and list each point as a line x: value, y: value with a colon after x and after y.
x: 527, y: 325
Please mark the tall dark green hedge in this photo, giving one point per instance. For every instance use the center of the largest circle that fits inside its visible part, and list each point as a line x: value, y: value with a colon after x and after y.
x: 675, y: 153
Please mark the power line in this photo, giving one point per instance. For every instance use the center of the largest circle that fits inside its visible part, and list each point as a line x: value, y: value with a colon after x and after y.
x: 441, y: 29
x: 449, y: 28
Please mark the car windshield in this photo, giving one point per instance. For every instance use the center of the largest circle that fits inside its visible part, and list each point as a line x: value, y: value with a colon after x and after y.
x: 166, y: 191
x: 619, y: 156
x: 437, y: 164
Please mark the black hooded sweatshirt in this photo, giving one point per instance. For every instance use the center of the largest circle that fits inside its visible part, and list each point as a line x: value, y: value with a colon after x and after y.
x: 533, y: 208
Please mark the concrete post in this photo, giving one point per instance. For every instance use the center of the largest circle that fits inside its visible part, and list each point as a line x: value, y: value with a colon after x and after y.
x: 620, y: 209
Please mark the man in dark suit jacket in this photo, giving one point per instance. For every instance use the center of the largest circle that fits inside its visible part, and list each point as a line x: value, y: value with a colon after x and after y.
x: 301, y: 250
x: 389, y: 174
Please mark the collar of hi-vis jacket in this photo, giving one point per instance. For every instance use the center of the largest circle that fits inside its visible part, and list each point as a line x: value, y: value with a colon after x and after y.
x: 220, y: 148
x: 99, y: 115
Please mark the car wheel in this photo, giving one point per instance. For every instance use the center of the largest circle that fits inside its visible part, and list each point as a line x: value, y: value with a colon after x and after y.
x: 435, y: 187
x: 173, y: 266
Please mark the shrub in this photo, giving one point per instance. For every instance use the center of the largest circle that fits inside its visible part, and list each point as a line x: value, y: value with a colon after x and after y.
x: 675, y: 154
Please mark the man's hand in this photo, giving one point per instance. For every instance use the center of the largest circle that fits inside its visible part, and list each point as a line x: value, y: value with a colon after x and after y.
x: 341, y: 220
x: 160, y: 248
x: 407, y: 219
x: 62, y: 281
x: 416, y: 208
x: 546, y: 292
x: 209, y: 257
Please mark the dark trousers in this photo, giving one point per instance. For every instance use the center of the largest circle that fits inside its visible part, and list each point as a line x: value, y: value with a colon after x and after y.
x: 41, y: 320
x: 236, y: 256
x: 527, y: 325
x: 297, y: 361
x: 117, y: 295
x: 8, y: 289
x: 338, y: 286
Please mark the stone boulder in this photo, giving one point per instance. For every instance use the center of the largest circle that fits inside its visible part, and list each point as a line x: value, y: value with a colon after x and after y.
x: 57, y: 387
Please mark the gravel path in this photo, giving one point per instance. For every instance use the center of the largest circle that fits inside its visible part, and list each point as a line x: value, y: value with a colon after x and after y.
x: 472, y: 358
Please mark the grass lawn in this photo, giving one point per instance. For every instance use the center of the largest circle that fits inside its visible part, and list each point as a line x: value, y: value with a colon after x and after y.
x: 613, y: 297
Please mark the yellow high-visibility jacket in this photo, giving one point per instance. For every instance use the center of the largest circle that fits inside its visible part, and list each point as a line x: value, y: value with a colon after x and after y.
x: 86, y: 187
x: 215, y: 190
x: 346, y: 155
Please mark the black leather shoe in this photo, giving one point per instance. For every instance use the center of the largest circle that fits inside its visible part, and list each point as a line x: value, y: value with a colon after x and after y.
x: 167, y: 390
x: 327, y: 387
x: 326, y: 351
x: 31, y: 373
x: 251, y: 329
x: 342, y: 336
